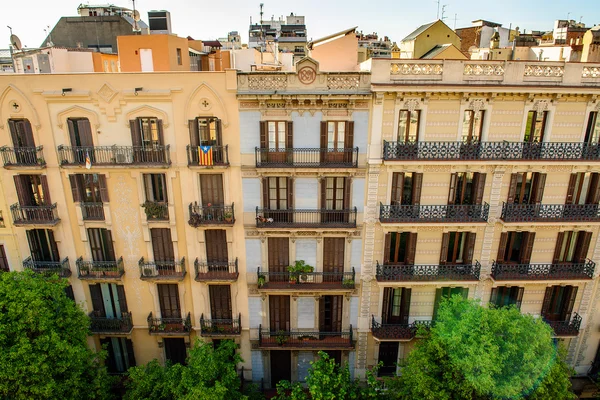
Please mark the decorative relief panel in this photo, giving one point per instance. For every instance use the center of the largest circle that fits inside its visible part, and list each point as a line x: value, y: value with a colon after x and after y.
x: 268, y: 82
x: 483, y: 69
x: 590, y: 72
x: 543, y: 70
x: 416, y: 69
x: 343, y: 81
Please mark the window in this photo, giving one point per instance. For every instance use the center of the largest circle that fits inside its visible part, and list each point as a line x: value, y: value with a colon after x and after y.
x: 526, y: 188
x: 80, y: 132
x: 279, y: 313
x: 179, y: 61
x: 572, y: 247
x: 558, y: 303
x: 175, y: 350
x: 515, y: 247
x: 168, y: 296
x: 503, y: 296
x: 446, y: 292
x: 408, y: 126
x: 209, y: 131
x: 42, y: 245
x: 406, y: 188
x: 333, y: 258
x: 335, y: 193
x: 278, y: 258
x: 396, y: 305
x: 101, y: 244
x: 400, y: 248
x: 32, y: 190
x: 3, y: 260
x: 330, y: 313
x: 162, y: 247
x: 592, y: 132
x: 120, y: 354
x: 277, y: 193
x: 457, y: 248
x: 215, y: 241
x: 211, y: 189
x: 89, y: 188
x: 155, y: 187
x: 149, y: 132
x: 108, y: 300
x: 220, y: 302
x: 388, y: 356
x: 536, y: 126
x: 472, y: 126
x: 277, y: 135
x: 336, y: 135
x: 584, y: 188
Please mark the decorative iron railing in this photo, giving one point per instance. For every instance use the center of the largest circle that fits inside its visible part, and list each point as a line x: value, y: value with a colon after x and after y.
x: 156, y: 155
x: 166, y: 326
x: 432, y: 213
x: 397, y: 331
x: 267, y: 218
x: 550, y: 212
x: 221, y: 327
x: 509, y: 272
x: 512, y: 151
x: 306, y: 158
x: 220, y: 156
x: 211, y: 215
x: 23, y: 156
x: 306, y: 281
x: 34, y: 215
x: 62, y: 268
x: 100, y: 269
x: 92, y: 211
x: 156, y: 210
x: 401, y: 273
x: 301, y: 339
x: 216, y: 270
x: 566, y: 328
x: 104, y: 324
x: 162, y: 269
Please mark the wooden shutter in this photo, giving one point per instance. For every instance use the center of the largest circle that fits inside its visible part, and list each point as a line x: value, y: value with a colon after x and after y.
x: 97, y: 301
x: 436, y: 302
x: 557, y: 249
x: 194, y: 133
x: 386, y: 310
x: 162, y: 245
x: 571, y: 189
x: 528, y: 240
x: 45, y: 190
x: 290, y: 193
x: 72, y: 126
x: 289, y: 138
x: 593, y: 196
x: 538, y: 190
x: 279, y: 254
x: 582, y: 246
x: 103, y: 188
x: 161, y: 138
x: 386, y: 251
x: 3, y: 260
x: 211, y: 189
x: 279, y: 313
x: 349, y: 139
x: 347, y: 193
x: 416, y: 189
x: 22, y: 184
x: 122, y: 299
x: 502, y: 247
x: 219, y: 131
x: 130, y: 353
x: 494, y: 296
x: 333, y: 255
x: 411, y: 248
x: 519, y: 298
x: 405, y: 305
x: 264, y: 142
x: 109, y: 249
x: 512, y: 188
x: 570, y: 303
x: 34, y: 246
x: 12, y: 125
x: 75, y: 187
x: 265, y: 193
x: 452, y: 191
x: 336, y: 313
x: 220, y: 302
x: 85, y: 132
x: 547, y: 299
x: 52, y: 245
x: 168, y: 295
x: 479, y: 187
x: 397, y: 186
x: 136, y: 136
x: 28, y: 133
x: 469, y: 248
x: 323, y: 193
x: 216, y: 245
x: 444, y: 251
x: 323, y: 135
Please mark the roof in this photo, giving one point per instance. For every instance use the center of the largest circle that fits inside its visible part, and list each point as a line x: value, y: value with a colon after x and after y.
x: 102, y: 6
x: 332, y: 36
x: 211, y: 43
x: 436, y: 50
x: 413, y: 35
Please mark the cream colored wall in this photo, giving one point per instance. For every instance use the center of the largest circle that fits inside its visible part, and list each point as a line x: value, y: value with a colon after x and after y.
x: 437, y: 34
x: 337, y: 55
x: 451, y: 53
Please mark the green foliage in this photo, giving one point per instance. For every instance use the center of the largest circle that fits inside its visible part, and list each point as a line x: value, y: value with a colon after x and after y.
x: 474, y: 352
x: 43, y: 342
x: 209, y: 374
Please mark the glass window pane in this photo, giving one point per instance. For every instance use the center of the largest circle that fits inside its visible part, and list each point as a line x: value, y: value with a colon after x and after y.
x: 341, y: 135
x: 466, y: 129
x: 281, y: 136
x: 272, y: 132
x: 331, y: 135
x: 402, y: 118
x: 413, y: 129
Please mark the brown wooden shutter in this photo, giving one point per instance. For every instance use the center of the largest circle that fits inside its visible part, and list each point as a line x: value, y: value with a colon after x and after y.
x: 347, y: 193
x: 502, y: 247
x: 130, y: 353
x: 323, y: 193
x: 103, y: 188
x: 220, y: 302
x: 571, y: 189
x: 12, y: 125
x: 194, y: 133
x: 109, y: 248
x: 397, y: 186
x: 386, y: 310
x: 53, y: 246
x: 289, y: 138
x: 411, y: 248
x: 416, y: 192
x: 386, y: 251
x: 264, y: 143
x: 122, y: 298
x: 71, y: 124
x: 136, y: 136
x: 582, y: 246
x: 279, y: 313
x: 46, y: 190
x: 162, y: 245
x: 519, y: 297
x: 349, y: 135
x: 265, y: 190
x: 570, y: 303
x: 479, y: 187
x: 547, y: 298
x: 436, y: 302
x: 28, y: 133
x: 528, y: 240
x: 168, y: 296
x: 512, y: 188
x: 219, y: 129
x: 405, y: 305
x: 279, y: 254
x: 452, y: 191
x: 85, y: 132
x: 216, y: 245
x: 75, y: 190
x: 494, y: 296
x: 594, y: 190
x: 470, y: 247
x: 559, y: 242
x: 21, y: 186
x: 444, y: 251
x: 323, y: 135
x: 97, y: 302
x: 538, y: 190
x: 161, y: 135
x: 290, y: 193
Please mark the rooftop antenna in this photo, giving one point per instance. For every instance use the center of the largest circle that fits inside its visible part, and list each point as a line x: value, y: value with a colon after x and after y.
x: 455, y: 20
x: 437, y: 16
x: 136, y: 17
x: 262, y: 42
x: 444, y: 11
x: 15, y: 42
x: 569, y: 13
x: 48, y: 33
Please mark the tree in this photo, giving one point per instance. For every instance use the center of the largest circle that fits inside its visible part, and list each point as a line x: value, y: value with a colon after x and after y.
x: 209, y: 374
x: 475, y: 352
x: 43, y: 342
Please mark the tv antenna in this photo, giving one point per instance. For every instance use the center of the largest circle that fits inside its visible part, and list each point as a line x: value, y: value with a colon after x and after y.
x: 437, y: 16
x: 15, y: 41
x: 262, y: 41
x: 444, y: 11
x: 455, y: 16
x: 136, y: 17
x: 49, y: 34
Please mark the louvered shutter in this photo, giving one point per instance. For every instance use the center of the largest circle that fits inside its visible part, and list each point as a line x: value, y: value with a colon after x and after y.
x: 21, y: 182
x: 103, y: 188
x: 479, y: 187
x: 122, y: 298
x: 264, y: 143
x: 538, y: 193
x: 289, y: 138
x: 397, y: 186
x: 290, y: 193
x: 494, y: 296
x: 436, y: 302
x: 594, y: 190
x: 571, y: 189
x: 452, y: 190
x: 265, y: 190
x: 85, y: 132
x: 557, y: 249
x: 136, y: 136
x: 386, y: 251
x: 528, y: 240
x: 469, y: 248
x: 53, y: 246
x: 347, y: 193
x: 582, y: 247
x: 444, y: 251
x: 411, y: 248
x: 161, y: 135
x: 405, y: 305
x: 109, y: 250
x: 46, y: 190
x: 349, y: 135
x: 219, y: 129
x: 75, y: 189
x: 416, y: 192
x: 386, y: 311
x: 512, y: 188
x: 519, y: 297
x: 546, y: 303
x: 502, y: 247
x: 97, y: 302
x: 569, y: 304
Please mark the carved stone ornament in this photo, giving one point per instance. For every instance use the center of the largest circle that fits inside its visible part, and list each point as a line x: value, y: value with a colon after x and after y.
x: 307, y: 75
x: 477, y: 105
x: 411, y: 105
x: 540, y: 106
x: 14, y: 106
x: 597, y: 105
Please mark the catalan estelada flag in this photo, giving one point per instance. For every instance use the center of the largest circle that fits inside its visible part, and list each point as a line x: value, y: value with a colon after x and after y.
x: 206, y: 155
x: 88, y: 160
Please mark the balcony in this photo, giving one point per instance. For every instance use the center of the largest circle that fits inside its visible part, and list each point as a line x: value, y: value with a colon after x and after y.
x: 115, y: 156
x: 550, y: 212
x: 92, y: 211
x: 111, y: 325
x: 100, y: 270
x: 306, y: 281
x: 211, y: 215
x: 397, y: 331
x: 566, y: 328
x: 169, y: 326
x: 162, y: 270
x: 305, y: 340
x: 156, y: 211
x: 292, y: 218
x: 541, y: 272
x: 23, y: 157
x: 427, y: 213
x: 34, y: 215
x: 61, y: 268
x: 226, y: 271
x: 306, y: 158
x: 218, y: 156
x: 428, y: 273
x: 490, y: 151
x: 221, y: 327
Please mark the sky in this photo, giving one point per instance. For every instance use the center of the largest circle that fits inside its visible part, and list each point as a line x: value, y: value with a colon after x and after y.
x: 206, y: 20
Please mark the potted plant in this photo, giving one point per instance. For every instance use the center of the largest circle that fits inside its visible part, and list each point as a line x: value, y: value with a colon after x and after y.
x: 261, y: 280
x: 161, y: 327
x: 300, y: 269
x: 228, y: 216
x: 348, y: 283
x: 84, y: 269
x: 154, y: 210
x: 281, y: 338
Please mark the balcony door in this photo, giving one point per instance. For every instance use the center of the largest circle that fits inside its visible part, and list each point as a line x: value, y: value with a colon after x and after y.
x: 388, y: 356
x: 80, y: 135
x: 279, y: 258
x: 155, y: 187
x: 408, y: 126
x: 211, y: 190
x: 120, y: 354
x: 333, y: 259
x: 472, y: 128
x: 281, y: 366
x: 503, y: 296
x: 168, y: 296
x: 336, y: 137
x: 335, y: 198
x: 447, y: 292
x: 592, y: 136
x: 108, y: 300
x: 32, y: 190
x: 101, y: 244
x: 42, y: 245
x: 162, y: 245
x: 466, y: 188
x: 330, y: 313
x: 279, y: 313
x: 535, y: 130
x: 276, y: 141
x: 216, y: 250
x: 515, y: 247
x: 175, y: 350
x: 89, y: 188
x: 146, y: 138
x: 278, y: 198
x: 400, y: 248
x: 406, y: 188
x: 526, y: 188
x: 396, y: 305
x: 206, y: 131
x: 558, y: 303
x: 220, y: 302
x: 572, y: 247
x: 457, y: 248
x: 21, y: 134
x: 584, y: 188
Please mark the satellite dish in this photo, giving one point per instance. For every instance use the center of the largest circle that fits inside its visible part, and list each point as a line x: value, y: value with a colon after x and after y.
x: 16, y: 42
x: 136, y: 15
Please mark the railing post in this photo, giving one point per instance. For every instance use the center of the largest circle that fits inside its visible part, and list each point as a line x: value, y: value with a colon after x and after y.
x: 259, y: 334
x: 227, y: 153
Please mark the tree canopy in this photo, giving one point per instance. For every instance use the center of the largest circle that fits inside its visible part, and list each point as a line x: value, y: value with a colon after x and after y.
x: 43, y: 342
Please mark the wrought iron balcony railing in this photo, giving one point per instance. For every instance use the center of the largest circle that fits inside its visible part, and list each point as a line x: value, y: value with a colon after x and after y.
x: 211, y: 215
x: 156, y: 210
x: 267, y: 218
x: 301, y: 339
x: 403, y: 273
x: 100, y: 269
x: 170, y: 270
x: 34, y: 215
x: 216, y: 270
x: 92, y: 211
x: 23, y: 156
x: 397, y: 331
x: 550, y: 212
x: 430, y: 213
x: 169, y: 326
x: 306, y: 281
x: 536, y: 272
x: 219, y: 158
x: 61, y: 268
x: 221, y: 327
x: 107, y: 156
x: 511, y: 151
x: 106, y: 325
x: 566, y: 328
x: 306, y: 158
